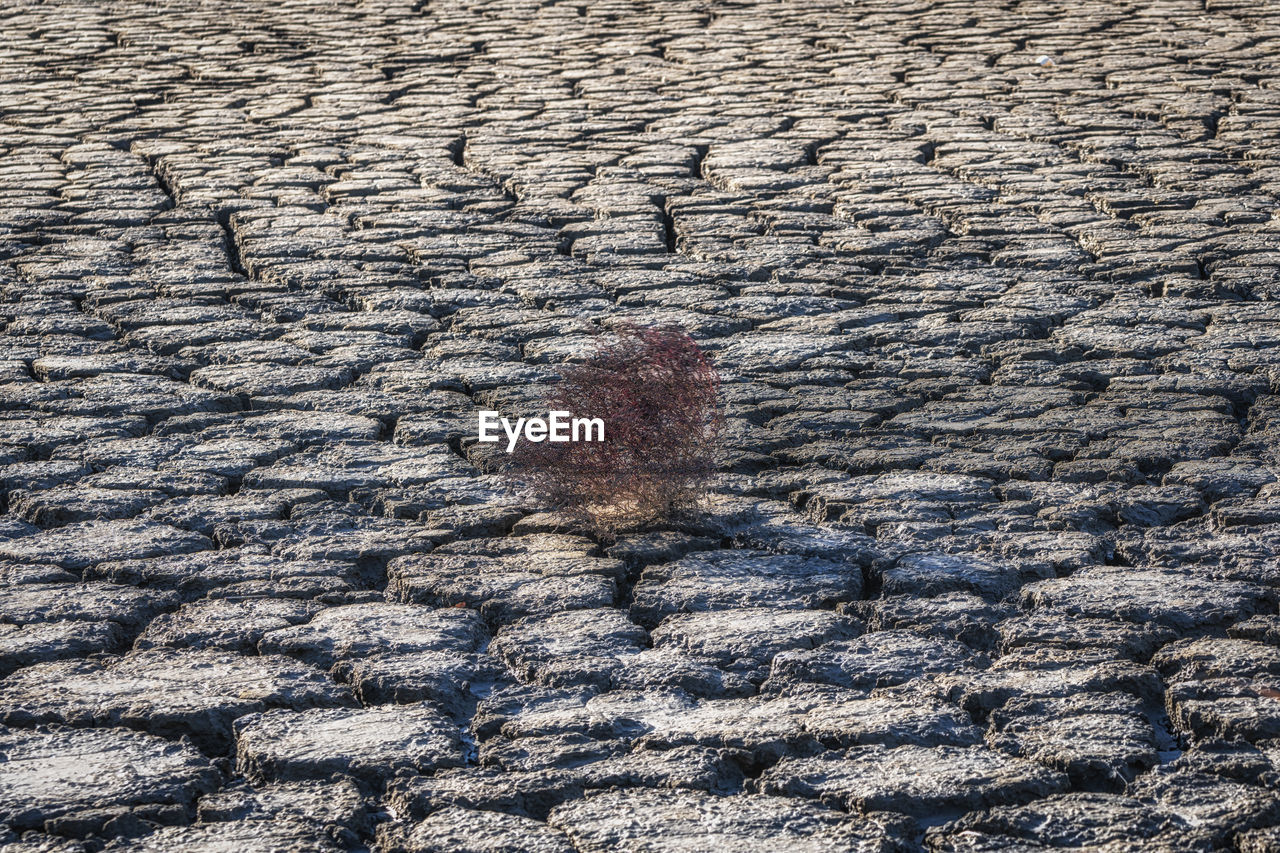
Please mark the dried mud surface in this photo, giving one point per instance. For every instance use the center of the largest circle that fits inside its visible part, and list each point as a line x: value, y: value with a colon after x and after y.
x: 991, y: 563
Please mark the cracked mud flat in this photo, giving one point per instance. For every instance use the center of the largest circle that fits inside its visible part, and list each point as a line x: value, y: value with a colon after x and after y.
x: 992, y: 561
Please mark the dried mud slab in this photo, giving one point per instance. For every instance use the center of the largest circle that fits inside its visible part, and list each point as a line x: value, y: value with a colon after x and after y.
x: 339, y: 807
x: 920, y: 781
x: 233, y: 625
x: 73, y: 781
x: 87, y: 543
x: 1102, y: 741
x: 506, y: 579
x: 654, y: 820
x: 1178, y: 599
x: 458, y: 830
x: 534, y: 792
x: 361, y: 631
x: 720, y: 580
x: 1070, y: 820
x: 579, y: 647
x: 747, y: 639
x: 369, y: 743
x: 878, y: 659
x: 24, y: 645
x: 232, y: 572
x: 255, y: 836
x: 165, y: 691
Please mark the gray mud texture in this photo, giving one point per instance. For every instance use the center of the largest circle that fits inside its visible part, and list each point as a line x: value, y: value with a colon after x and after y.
x: 992, y: 558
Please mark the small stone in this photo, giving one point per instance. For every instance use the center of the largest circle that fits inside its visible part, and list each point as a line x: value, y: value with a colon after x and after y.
x: 1049, y: 673
x: 1209, y: 801
x: 1064, y: 630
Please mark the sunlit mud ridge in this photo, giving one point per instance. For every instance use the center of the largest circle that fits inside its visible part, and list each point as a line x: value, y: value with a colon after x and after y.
x: 992, y: 559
